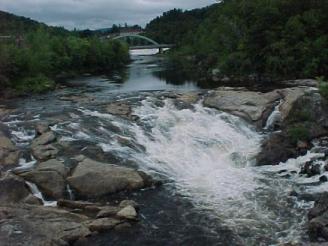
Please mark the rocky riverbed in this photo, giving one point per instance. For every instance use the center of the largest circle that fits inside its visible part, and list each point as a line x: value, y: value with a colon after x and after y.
x: 79, y: 165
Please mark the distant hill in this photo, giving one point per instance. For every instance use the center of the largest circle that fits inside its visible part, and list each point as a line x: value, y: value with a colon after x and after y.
x: 173, y: 25
x: 11, y: 24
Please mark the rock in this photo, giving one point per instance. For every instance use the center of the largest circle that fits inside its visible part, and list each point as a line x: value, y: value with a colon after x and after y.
x: 44, y: 139
x: 301, y: 82
x: 107, y: 212
x: 32, y: 200
x: 323, y: 178
x: 121, y: 109
x: 9, y: 154
x: 275, y: 149
x: 94, y: 179
x: 41, y: 226
x: 126, y: 203
x: 302, y: 144
x: 249, y: 105
x: 42, y: 127
x: 123, y: 226
x: 103, y: 224
x: 5, y: 111
x: 128, y: 212
x: 12, y: 189
x: 44, y: 152
x: 290, y: 96
x: 75, y: 204
x: 49, y: 177
x: 311, y: 169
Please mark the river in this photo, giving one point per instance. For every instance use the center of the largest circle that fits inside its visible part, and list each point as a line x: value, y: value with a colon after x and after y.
x: 211, y: 193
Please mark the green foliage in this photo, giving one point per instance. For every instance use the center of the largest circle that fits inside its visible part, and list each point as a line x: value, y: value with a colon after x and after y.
x: 37, y: 84
x: 276, y: 39
x: 323, y: 87
x: 298, y: 133
x: 25, y: 65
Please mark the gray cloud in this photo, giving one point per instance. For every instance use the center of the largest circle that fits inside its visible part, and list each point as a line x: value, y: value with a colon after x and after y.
x: 95, y: 14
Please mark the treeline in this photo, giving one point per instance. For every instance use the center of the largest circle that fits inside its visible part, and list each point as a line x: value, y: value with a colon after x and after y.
x: 260, y: 39
x: 174, y: 25
x: 32, y: 61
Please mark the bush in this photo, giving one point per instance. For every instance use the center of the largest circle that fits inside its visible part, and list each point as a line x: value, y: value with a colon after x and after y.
x: 37, y: 84
x: 323, y: 87
x: 298, y: 133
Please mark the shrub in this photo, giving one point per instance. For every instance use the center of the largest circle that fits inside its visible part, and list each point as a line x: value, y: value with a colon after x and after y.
x: 37, y: 84
x: 298, y: 133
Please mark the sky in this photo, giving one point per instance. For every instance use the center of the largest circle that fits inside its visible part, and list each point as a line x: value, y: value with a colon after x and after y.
x: 94, y: 14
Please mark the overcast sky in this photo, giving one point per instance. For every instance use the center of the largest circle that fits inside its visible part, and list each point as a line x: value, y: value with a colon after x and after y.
x: 95, y: 14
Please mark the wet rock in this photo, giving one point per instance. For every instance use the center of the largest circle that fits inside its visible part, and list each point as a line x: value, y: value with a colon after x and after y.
x: 44, y: 152
x: 49, y: 177
x: 128, y: 212
x: 42, y: 127
x: 276, y: 149
x: 33, y: 200
x: 9, y: 154
x: 107, y: 212
x: 301, y: 82
x: 103, y: 224
x: 126, y: 203
x: 318, y: 219
x: 121, y: 109
x: 323, y: 179
x: 12, y: 189
x: 75, y: 204
x: 249, y: 105
x: 311, y: 169
x: 94, y: 179
x: 41, y: 226
x: 44, y: 139
x: 302, y: 145
x: 123, y: 226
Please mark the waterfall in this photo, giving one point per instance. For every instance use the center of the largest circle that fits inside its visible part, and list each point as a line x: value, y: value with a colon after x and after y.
x: 37, y: 193
x: 274, y: 118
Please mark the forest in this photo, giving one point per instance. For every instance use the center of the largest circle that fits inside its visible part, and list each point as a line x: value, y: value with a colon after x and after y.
x: 262, y: 40
x: 33, y: 55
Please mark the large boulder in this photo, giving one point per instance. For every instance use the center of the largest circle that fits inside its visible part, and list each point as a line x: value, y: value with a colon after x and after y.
x: 9, y: 154
x: 42, y: 149
x: 120, y: 109
x: 49, y: 177
x: 318, y: 219
x: 37, y: 225
x: 12, y: 189
x: 94, y: 179
x: 249, y: 105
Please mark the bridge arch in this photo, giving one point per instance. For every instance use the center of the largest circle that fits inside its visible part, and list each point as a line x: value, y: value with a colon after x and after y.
x: 121, y: 36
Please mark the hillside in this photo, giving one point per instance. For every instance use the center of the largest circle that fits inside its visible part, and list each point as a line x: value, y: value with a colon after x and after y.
x: 11, y: 24
x: 262, y: 40
x: 174, y: 25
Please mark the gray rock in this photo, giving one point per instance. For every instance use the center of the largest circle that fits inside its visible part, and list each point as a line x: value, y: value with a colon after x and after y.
x: 42, y: 127
x: 12, y: 189
x: 94, y: 179
x: 9, y: 154
x: 32, y: 200
x: 107, y: 212
x: 103, y: 224
x: 126, y: 203
x: 49, y: 177
x: 249, y: 105
x: 40, y: 226
x: 121, y: 109
x: 128, y: 212
x: 44, y: 152
x: 44, y: 139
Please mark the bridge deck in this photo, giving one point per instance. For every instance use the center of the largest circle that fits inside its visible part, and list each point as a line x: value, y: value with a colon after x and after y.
x: 143, y: 47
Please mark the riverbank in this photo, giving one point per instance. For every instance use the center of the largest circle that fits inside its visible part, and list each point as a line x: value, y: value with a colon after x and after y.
x: 185, y: 155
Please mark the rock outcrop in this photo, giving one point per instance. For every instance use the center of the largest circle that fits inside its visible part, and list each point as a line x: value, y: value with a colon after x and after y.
x: 42, y: 148
x: 49, y: 177
x: 12, y: 189
x: 9, y: 154
x: 94, y: 179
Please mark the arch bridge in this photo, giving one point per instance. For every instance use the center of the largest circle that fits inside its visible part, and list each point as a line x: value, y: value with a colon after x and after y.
x: 136, y: 36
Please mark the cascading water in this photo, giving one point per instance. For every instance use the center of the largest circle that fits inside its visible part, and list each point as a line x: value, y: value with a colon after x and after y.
x: 207, y: 155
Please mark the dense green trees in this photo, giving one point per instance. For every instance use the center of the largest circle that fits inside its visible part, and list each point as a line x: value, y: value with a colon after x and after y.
x: 31, y: 60
x: 174, y: 25
x: 272, y: 39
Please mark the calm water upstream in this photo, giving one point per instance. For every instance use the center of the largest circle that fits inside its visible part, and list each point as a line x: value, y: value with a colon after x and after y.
x: 212, y: 195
